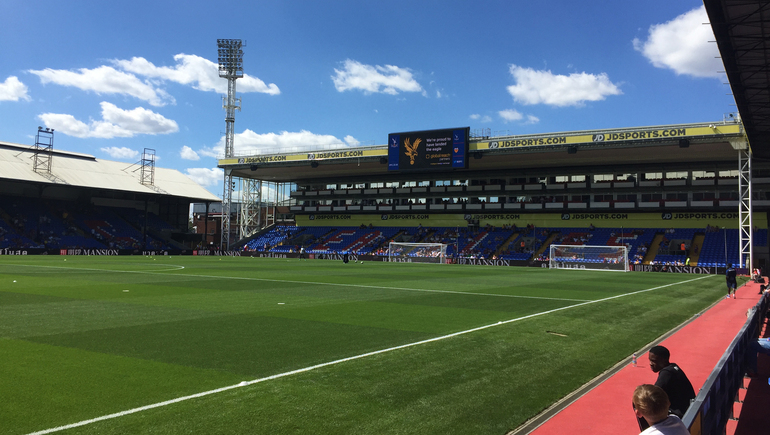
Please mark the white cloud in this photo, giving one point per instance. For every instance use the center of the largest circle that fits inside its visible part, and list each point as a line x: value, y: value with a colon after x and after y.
x: 121, y: 79
x: 510, y: 115
x: 138, y: 120
x: 13, y: 90
x: 544, y: 87
x: 105, y: 80
x: 188, y: 153
x: 200, y: 73
x: 388, y: 79
x: 215, y: 152
x: 249, y: 142
x: 115, y: 122
x: 351, y: 141
x: 121, y: 153
x: 683, y: 46
x: 66, y: 124
x: 204, y: 176
x: 482, y: 119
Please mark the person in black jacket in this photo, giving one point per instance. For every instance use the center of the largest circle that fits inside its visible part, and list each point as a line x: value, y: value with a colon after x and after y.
x: 672, y: 380
x: 731, y: 280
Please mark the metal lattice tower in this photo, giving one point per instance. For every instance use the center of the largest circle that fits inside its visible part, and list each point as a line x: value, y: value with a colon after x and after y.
x: 148, y: 167
x: 746, y: 246
x: 230, y: 59
x: 251, y: 196
x: 43, y: 150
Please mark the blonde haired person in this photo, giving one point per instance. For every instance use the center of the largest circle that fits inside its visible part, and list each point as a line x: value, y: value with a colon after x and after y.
x: 651, y: 403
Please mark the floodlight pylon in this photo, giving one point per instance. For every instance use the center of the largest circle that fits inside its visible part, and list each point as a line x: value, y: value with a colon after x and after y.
x: 230, y: 60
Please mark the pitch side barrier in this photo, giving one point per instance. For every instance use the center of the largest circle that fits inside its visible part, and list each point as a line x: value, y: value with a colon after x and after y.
x: 712, y: 408
x: 499, y: 262
x: 338, y: 256
x: 115, y: 252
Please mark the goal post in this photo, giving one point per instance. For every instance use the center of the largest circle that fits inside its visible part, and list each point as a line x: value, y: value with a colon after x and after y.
x: 417, y: 252
x: 613, y: 258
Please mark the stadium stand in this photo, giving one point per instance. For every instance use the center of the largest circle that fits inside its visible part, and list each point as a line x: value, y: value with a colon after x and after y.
x: 499, y: 243
x: 85, y: 203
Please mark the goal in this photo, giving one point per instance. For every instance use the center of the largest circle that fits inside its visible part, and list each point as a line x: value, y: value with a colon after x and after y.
x: 613, y: 258
x: 417, y: 252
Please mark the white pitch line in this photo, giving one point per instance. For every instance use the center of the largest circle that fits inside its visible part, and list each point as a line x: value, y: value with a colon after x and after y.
x: 77, y: 269
x: 379, y: 287
x: 151, y: 272
x: 331, y: 363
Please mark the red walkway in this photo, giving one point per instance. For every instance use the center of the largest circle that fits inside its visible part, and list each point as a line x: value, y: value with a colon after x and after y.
x: 697, y: 347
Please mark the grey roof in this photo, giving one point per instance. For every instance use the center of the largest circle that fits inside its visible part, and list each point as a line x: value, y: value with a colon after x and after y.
x: 86, y: 171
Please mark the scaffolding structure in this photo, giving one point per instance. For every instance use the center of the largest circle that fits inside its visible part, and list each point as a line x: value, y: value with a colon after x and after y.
x: 249, y: 218
x: 43, y: 156
x: 230, y: 60
x: 148, y: 167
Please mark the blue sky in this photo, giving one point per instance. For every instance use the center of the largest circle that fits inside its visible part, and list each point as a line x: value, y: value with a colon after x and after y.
x: 113, y: 78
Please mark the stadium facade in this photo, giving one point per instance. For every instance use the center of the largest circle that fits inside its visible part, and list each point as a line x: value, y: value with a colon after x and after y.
x: 660, y: 178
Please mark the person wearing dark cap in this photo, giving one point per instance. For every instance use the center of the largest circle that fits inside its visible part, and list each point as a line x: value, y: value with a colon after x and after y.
x: 652, y: 404
x: 672, y: 380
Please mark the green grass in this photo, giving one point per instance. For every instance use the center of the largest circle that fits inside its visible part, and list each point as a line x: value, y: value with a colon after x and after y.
x: 92, y: 336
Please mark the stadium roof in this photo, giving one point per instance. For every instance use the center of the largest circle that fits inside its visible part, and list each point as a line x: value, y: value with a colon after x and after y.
x: 86, y: 171
x: 709, y: 146
x: 742, y: 31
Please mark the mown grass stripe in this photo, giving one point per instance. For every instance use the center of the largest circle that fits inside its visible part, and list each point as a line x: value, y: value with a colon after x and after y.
x: 376, y: 287
x: 351, y: 358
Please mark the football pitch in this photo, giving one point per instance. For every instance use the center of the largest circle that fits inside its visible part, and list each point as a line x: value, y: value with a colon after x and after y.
x: 167, y: 345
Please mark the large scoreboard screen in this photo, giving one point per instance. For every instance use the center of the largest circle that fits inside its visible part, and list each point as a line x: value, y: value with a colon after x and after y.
x: 428, y: 150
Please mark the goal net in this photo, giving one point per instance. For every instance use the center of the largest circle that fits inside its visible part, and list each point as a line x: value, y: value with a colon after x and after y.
x: 417, y: 252
x: 588, y: 257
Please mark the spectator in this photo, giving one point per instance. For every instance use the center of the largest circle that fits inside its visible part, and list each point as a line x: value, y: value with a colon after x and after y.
x: 672, y: 380
x: 651, y: 403
x: 760, y: 345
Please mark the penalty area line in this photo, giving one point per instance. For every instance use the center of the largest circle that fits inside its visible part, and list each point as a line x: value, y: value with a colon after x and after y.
x: 339, y: 361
